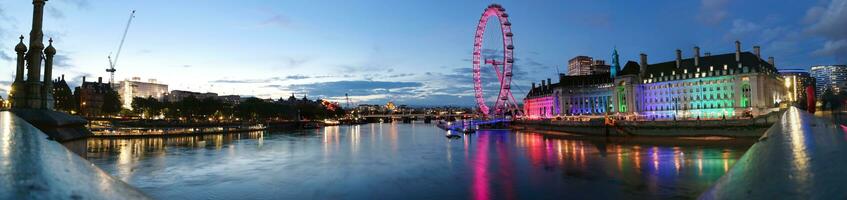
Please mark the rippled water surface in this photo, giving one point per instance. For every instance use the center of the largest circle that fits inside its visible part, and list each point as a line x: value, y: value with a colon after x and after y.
x: 407, y: 161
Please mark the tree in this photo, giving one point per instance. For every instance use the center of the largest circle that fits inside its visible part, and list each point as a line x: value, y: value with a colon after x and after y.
x: 147, y: 106
x: 111, y: 103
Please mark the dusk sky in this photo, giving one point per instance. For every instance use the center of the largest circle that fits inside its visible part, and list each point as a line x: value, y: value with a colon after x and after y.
x: 415, y: 53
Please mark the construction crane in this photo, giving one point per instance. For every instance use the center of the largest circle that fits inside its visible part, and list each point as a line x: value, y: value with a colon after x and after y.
x: 112, y: 63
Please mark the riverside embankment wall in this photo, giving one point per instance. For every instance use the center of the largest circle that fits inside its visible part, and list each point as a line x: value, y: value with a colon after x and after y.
x: 729, y: 127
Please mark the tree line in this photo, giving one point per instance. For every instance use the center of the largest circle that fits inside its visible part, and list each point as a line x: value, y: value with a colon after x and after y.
x: 249, y: 109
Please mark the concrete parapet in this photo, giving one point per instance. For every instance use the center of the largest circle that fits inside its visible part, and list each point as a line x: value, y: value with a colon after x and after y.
x: 799, y: 157
x: 59, y: 126
x: 33, y: 167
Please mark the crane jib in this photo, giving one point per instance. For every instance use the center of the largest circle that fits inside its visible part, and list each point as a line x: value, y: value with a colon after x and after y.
x: 113, y: 63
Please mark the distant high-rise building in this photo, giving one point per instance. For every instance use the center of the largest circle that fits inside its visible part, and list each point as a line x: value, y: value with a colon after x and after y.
x: 178, y: 95
x: 829, y: 77
x: 586, y: 65
x: 599, y: 67
x: 128, y: 89
x: 579, y: 65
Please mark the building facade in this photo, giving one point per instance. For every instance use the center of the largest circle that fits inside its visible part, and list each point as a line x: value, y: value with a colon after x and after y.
x: 64, y: 98
x: 90, y: 96
x: 829, y: 78
x: 580, y: 65
x: 599, y: 67
x: 584, y: 94
x: 129, y: 89
x: 541, y: 101
x: 179, y: 95
x: 738, y: 84
x: 230, y: 99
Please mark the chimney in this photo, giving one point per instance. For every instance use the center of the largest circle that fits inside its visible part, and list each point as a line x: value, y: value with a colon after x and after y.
x: 678, y: 58
x: 708, y: 54
x: 696, y: 56
x: 83, y: 79
x: 758, y: 51
x: 63, y: 77
x: 737, y: 51
x: 770, y: 61
x: 99, y: 79
x: 533, y: 85
x: 549, y: 82
x: 543, y: 84
x: 643, y: 68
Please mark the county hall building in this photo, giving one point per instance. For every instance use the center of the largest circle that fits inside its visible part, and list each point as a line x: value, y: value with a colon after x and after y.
x: 738, y: 84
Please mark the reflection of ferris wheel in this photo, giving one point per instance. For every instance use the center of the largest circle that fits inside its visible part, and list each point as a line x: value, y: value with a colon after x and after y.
x: 505, y: 103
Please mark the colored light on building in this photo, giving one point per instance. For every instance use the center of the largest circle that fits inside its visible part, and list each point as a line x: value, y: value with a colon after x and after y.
x: 539, y: 107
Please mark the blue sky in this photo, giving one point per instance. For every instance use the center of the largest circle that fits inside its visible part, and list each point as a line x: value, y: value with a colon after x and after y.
x: 410, y: 52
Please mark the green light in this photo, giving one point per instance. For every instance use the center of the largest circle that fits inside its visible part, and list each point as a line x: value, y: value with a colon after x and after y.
x: 621, y: 99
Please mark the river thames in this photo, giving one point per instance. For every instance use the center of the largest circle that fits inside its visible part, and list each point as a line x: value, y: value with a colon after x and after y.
x: 409, y: 161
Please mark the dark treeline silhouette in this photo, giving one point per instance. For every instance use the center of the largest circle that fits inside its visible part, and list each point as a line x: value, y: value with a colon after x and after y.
x: 249, y: 109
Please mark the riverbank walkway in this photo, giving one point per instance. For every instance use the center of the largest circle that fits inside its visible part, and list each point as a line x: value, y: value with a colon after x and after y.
x: 34, y: 167
x: 800, y: 157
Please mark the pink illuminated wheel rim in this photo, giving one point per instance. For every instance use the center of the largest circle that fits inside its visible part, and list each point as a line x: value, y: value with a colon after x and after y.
x: 505, y: 103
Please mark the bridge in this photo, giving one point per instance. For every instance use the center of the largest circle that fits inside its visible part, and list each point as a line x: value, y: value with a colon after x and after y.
x: 408, y: 117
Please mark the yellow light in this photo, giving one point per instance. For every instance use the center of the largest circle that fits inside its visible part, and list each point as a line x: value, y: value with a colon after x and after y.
x: 788, y: 82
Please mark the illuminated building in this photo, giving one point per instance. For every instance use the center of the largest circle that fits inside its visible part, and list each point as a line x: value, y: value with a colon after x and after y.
x: 580, y: 65
x: 230, y: 99
x: 584, y: 94
x: 128, y: 89
x: 599, y: 67
x: 90, y: 96
x: 390, y: 106
x: 796, y: 82
x: 829, y: 77
x: 540, y: 102
x: 179, y: 95
x: 710, y: 87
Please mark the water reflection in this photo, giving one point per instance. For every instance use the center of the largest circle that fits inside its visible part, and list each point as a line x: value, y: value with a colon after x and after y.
x: 408, y: 161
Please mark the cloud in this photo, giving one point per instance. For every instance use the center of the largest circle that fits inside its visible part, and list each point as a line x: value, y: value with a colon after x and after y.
x: 354, y: 88
x: 62, y: 61
x: 740, y: 28
x: 832, y: 20
x: 296, y: 62
x: 813, y: 14
x: 276, y: 20
x: 833, y: 48
x: 78, y: 3
x: 266, y: 80
x: 6, y: 57
x: 55, y: 13
x: 829, y: 23
x: 296, y: 77
x: 241, y: 81
x: 77, y: 80
x: 713, y: 12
